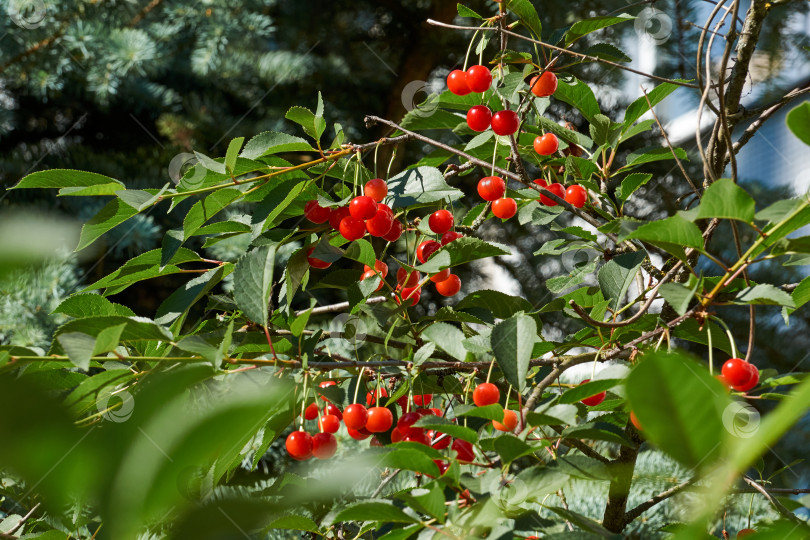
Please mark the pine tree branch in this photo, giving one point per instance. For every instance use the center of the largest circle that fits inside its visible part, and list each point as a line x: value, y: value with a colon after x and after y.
x: 45, y: 43
x: 144, y: 12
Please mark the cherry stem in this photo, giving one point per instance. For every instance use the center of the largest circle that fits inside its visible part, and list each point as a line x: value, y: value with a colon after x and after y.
x: 491, y: 365
x: 357, y: 386
x: 711, y: 353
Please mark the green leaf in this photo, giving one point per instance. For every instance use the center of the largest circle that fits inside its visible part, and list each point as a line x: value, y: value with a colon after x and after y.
x: 443, y: 425
x: 512, y: 342
x: 653, y: 153
x: 678, y: 296
x: 253, y: 279
x: 361, y: 251
x: 138, y: 198
x: 640, y: 106
x: 616, y: 276
x: 671, y: 234
x: 210, y: 163
x: 232, y: 153
x: 583, y: 522
x: 606, y: 51
x: 420, y: 186
x: 680, y: 406
x: 448, y: 338
x: 270, y: 142
x: 630, y: 184
x: 374, y: 510
x: 66, y: 178
x: 590, y: 388
x: 798, y: 120
x: 313, y: 125
x: 557, y: 414
x: 207, y: 208
x: 91, y: 305
x: 563, y: 133
x: 524, y: 10
x: 464, y: 11
x: 690, y: 330
x: 489, y: 412
x: 725, y: 199
x: 144, y: 266
x: 764, y: 294
x: 510, y: 448
x: 585, y: 26
x: 461, y: 251
x: 113, y: 214
x: 135, y: 328
x: 79, y: 348
x: 181, y: 300
x: 580, y: 96
x: 501, y: 305
x: 578, y: 274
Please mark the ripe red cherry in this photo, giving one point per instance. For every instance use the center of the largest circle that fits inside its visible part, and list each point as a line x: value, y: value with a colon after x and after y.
x: 405, y: 423
x: 375, y: 442
x: 510, y: 421
x: 352, y: 229
x: 449, y: 236
x: 337, y: 215
x: 479, y: 118
x: 379, y: 420
x: 422, y: 400
x: 437, y: 440
x: 363, y: 207
x: 329, y: 423
x: 410, y: 295
x: 315, y: 262
x: 555, y: 188
x: 376, y: 188
x: 355, y: 416
x: 311, y: 412
x: 326, y: 384
x: 504, y: 208
x: 442, y: 465
x: 358, y: 434
x: 436, y: 411
x: 505, y: 122
x: 464, y: 451
x: 595, y: 399
x: 634, y: 420
x: 324, y: 445
x: 457, y: 83
x: 371, y: 397
x: 440, y: 221
x: 299, y: 445
x: 396, y: 435
x: 419, y: 437
x: 486, y: 394
x: 544, y: 85
x: 408, y: 279
x: 382, y: 221
x: 426, y: 249
x: 450, y: 286
x: 334, y: 410
x: 395, y: 232
x: 736, y: 371
x: 547, y: 144
x: 576, y: 196
x: 751, y: 382
x: 437, y: 278
x: 315, y: 212
x: 479, y: 78
x: 491, y: 188
x: 379, y: 266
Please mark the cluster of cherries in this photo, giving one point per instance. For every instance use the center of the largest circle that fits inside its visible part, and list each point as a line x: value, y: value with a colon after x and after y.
x: 364, y: 421
x: 740, y: 375
x: 488, y: 394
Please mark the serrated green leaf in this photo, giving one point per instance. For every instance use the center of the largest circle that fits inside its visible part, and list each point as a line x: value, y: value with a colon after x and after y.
x: 578, y: 274
x: 180, y: 301
x: 764, y: 294
x: 630, y: 184
x: 113, y: 214
x: 232, y: 153
x: 580, y: 96
x: 270, y: 142
x: 464, y: 11
x: 607, y: 51
x: 640, y: 106
x: 79, y: 348
x: 210, y: 163
x: 584, y: 27
x: 443, y: 425
x: 206, y: 209
x: 501, y: 305
x: 419, y: 186
x: 91, y: 305
x: 253, y: 279
x: 678, y: 296
x: 461, y: 251
x: 726, y: 200
x: 524, y: 10
x: 588, y: 389
x: 509, y: 448
x: 651, y: 154
x: 374, y: 510
x: 617, y: 274
x: 448, y: 338
x: 512, y: 342
x: 65, y: 178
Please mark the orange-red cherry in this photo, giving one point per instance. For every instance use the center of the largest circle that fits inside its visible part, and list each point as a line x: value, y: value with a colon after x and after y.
x: 440, y: 221
x: 355, y: 416
x: 544, y: 85
x: 504, y: 208
x: 315, y: 262
x: 479, y: 118
x: 299, y: 445
x: 324, y: 445
x: 376, y: 188
x: 505, y: 122
x: 491, y: 188
x: 594, y: 400
x: 315, y: 212
x: 479, y: 78
x: 576, y: 196
x: 380, y: 419
x: 547, y: 144
x: 457, y: 82
x: 450, y: 286
x: 486, y: 394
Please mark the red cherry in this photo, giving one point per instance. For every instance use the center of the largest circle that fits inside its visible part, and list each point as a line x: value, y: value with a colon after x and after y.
x: 745, y: 532
x: 440, y: 221
x: 352, y: 229
x: 358, y: 434
x: 406, y: 421
x: 311, y: 412
x: 315, y: 212
x: 479, y: 118
x: 510, y: 421
x: 382, y: 221
x: 547, y: 144
x: 491, y: 188
x: 544, y: 85
x: 505, y: 122
x: 326, y: 384
x: 450, y: 286
x: 408, y: 279
x: 334, y: 410
x: 457, y: 83
x: 595, y: 399
x: 379, y: 266
x: 504, y: 208
x: 486, y: 394
x: 422, y: 400
x: 751, y: 382
x: 371, y: 397
x: 479, y: 78
x: 379, y: 420
x: 464, y: 450
x: 634, y: 420
x: 419, y: 437
x: 556, y: 188
x: 449, y: 236
x: 375, y: 442
x: 436, y: 411
x: 337, y: 215
x: 439, y: 440
x: 329, y: 423
x: 376, y: 189
x: 576, y: 196
x: 355, y: 416
x: 441, y: 276
x: 315, y: 262
x: 324, y: 445
x: 736, y: 371
x: 363, y: 207
x: 403, y: 403
x: 412, y: 294
x: 442, y: 465
x: 370, y: 274
x: 299, y: 445
x: 426, y: 249
x: 396, y: 435
x: 395, y: 232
